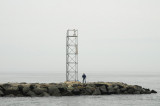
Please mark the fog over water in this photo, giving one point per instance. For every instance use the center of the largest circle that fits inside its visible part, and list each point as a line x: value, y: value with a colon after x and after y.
x: 114, y: 35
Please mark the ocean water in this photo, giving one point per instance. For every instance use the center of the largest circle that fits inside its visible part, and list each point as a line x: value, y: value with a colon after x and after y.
x: 147, y: 80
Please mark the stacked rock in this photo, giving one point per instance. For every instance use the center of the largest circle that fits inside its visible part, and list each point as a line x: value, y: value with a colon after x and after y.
x: 69, y: 89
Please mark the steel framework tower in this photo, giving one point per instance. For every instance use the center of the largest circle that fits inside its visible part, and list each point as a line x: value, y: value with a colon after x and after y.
x: 72, y: 55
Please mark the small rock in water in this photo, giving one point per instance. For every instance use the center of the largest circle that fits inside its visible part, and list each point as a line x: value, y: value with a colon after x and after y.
x: 153, y: 91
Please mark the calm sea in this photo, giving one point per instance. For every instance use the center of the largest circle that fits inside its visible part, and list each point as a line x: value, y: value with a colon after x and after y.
x: 146, y: 80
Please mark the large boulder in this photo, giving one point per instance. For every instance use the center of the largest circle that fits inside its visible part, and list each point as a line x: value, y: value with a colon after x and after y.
x: 20, y: 88
x: 120, y: 86
x: 111, y: 90
x: 32, y: 86
x: 130, y: 90
x: 70, y: 88
x: 39, y: 90
x: 76, y: 91
x: 44, y: 94
x: 1, y: 93
x: 31, y: 94
x: 54, y: 91
x: 118, y: 91
x: 1, y: 88
x: 62, y: 88
x: 116, y: 87
x: 89, y: 90
x: 147, y: 91
x: 10, y: 89
x: 6, y: 86
x: 97, y: 92
x: 123, y: 89
x: 137, y: 88
x: 125, y: 92
x: 25, y: 89
x: 137, y: 92
x: 153, y: 91
x: 103, y: 89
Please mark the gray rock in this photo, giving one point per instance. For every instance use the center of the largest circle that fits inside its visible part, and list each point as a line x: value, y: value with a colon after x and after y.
x: 70, y: 88
x: 39, y: 91
x: 116, y: 87
x: 62, y: 88
x: 97, y: 92
x: 20, y: 95
x: 6, y: 86
x: 10, y: 89
x: 67, y: 93
x: 142, y: 91
x: 45, y: 94
x: 147, y: 91
x: 123, y: 89
x: 131, y: 91
x: 25, y: 89
x: 120, y: 86
x: 118, y: 91
x: 54, y: 91
x: 20, y: 87
x: 31, y: 94
x: 89, y: 90
x: 137, y: 92
x: 1, y: 93
x: 125, y: 92
x: 153, y: 91
x: 76, y: 91
x: 84, y: 92
x: 1, y: 88
x: 111, y: 90
x: 10, y: 95
x: 137, y: 88
x: 32, y: 86
x: 103, y: 89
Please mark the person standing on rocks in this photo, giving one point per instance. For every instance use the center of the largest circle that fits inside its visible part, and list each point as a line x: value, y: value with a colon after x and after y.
x: 84, y: 77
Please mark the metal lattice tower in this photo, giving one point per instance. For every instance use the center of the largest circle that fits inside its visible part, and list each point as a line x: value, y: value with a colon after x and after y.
x: 72, y: 55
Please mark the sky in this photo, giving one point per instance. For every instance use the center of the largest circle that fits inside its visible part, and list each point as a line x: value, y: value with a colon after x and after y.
x: 114, y: 35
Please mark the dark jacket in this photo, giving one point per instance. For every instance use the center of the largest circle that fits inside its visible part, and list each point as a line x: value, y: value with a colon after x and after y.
x: 83, y: 76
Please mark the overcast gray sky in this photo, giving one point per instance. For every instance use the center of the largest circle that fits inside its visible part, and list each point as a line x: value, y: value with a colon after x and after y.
x: 114, y: 35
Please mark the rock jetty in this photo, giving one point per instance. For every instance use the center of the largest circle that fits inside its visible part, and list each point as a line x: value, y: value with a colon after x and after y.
x: 69, y: 89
